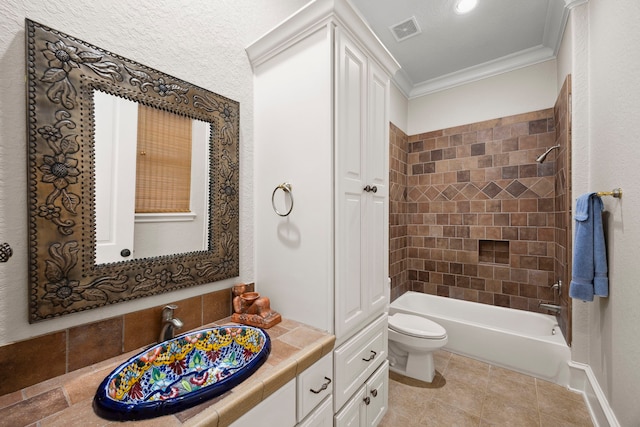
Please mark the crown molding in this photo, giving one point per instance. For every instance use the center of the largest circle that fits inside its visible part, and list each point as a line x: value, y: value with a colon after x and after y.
x: 314, y: 15
x: 502, y: 65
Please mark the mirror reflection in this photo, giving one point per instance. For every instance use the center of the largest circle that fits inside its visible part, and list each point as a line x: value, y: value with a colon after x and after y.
x: 151, y: 181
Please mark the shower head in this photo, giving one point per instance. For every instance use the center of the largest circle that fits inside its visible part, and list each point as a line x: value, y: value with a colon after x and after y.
x: 546, y: 153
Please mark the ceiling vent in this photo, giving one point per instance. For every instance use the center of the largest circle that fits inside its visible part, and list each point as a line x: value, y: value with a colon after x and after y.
x: 405, y: 29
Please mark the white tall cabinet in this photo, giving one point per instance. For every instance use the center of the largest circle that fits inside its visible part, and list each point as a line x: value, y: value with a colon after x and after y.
x: 321, y: 94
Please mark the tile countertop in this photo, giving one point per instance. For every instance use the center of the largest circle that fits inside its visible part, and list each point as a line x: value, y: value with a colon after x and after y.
x: 67, y: 400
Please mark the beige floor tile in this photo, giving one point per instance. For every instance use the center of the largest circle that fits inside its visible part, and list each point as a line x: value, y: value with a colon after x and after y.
x: 462, y: 396
x: 440, y: 414
x: 407, y: 400
x: 496, y: 412
x: 498, y: 372
x: 396, y: 418
x: 513, y: 392
x: 548, y: 421
x: 563, y: 407
x: 441, y: 360
x: 467, y: 370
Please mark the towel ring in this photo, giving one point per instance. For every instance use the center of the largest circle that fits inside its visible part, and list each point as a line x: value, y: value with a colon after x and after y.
x: 286, y: 187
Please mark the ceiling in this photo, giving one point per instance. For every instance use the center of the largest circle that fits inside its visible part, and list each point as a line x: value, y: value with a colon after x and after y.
x: 452, y: 49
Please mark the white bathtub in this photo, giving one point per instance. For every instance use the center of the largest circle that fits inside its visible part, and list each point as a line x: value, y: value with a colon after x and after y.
x: 527, y: 342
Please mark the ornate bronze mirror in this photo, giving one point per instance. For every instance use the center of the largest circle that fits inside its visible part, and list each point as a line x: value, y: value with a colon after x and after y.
x: 64, y: 78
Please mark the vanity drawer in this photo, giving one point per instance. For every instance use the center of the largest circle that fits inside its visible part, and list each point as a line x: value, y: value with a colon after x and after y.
x: 358, y: 358
x: 314, y: 385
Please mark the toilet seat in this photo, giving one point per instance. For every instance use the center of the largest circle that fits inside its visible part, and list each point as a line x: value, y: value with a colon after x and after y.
x: 416, y: 326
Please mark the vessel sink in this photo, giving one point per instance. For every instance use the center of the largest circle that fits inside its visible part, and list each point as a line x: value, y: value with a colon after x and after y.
x: 182, y: 372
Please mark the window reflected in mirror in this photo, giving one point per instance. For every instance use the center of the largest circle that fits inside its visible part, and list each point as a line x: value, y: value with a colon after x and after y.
x: 151, y: 181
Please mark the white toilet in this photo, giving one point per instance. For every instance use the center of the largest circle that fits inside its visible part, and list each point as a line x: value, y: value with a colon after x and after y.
x: 412, y: 341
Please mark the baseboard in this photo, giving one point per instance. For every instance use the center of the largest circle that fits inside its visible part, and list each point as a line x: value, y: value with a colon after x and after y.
x: 584, y: 381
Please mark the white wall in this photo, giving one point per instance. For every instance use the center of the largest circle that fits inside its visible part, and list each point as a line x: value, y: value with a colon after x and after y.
x: 520, y: 91
x: 199, y: 41
x: 605, y: 43
x: 398, y: 108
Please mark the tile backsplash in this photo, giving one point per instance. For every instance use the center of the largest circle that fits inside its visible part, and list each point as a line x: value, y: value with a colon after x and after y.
x: 37, y: 359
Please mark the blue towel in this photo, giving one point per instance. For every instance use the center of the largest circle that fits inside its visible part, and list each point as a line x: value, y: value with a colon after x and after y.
x: 589, y: 251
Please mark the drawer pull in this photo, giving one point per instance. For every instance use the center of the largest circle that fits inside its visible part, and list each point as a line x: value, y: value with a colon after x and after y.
x: 374, y: 393
x: 324, y: 386
x: 373, y: 354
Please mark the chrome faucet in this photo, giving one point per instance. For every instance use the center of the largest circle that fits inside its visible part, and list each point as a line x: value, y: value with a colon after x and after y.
x: 169, y: 323
x: 551, y: 307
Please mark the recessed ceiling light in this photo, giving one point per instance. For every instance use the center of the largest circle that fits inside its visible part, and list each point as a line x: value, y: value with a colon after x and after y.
x: 464, y: 6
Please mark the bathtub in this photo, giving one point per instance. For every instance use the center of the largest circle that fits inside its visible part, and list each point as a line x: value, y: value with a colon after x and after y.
x: 527, y: 342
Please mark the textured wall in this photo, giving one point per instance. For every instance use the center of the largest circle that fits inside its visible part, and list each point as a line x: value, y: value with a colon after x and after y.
x: 199, y: 41
x: 613, y: 154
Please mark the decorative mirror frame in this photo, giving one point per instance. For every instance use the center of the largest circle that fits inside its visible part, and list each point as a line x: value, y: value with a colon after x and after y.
x: 62, y: 73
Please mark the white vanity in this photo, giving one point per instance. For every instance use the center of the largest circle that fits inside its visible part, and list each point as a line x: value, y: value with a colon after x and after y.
x: 321, y: 94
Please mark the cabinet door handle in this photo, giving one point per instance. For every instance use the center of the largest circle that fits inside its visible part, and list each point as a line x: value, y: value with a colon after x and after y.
x: 367, y: 188
x: 323, y: 387
x: 367, y: 400
x: 374, y: 392
x: 373, y: 354
x: 374, y: 189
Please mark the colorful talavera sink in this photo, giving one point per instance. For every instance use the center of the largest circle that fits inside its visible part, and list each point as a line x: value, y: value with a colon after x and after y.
x: 182, y: 372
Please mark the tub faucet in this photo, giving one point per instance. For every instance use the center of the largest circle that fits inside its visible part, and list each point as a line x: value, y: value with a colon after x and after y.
x: 551, y: 307
x: 169, y: 323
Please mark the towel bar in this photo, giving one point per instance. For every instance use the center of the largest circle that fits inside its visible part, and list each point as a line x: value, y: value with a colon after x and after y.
x: 617, y: 193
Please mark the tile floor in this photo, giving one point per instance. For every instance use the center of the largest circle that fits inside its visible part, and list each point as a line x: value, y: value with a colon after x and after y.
x: 467, y: 392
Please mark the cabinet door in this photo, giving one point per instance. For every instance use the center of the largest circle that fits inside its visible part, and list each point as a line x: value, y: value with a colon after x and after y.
x: 351, y: 116
x: 377, y: 390
x: 354, y: 413
x: 375, y: 223
x: 322, y: 416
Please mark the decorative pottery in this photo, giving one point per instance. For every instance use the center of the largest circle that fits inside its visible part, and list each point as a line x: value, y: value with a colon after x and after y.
x: 250, y: 296
x: 182, y: 372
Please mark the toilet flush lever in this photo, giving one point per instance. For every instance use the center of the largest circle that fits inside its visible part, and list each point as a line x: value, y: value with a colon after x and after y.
x: 373, y: 354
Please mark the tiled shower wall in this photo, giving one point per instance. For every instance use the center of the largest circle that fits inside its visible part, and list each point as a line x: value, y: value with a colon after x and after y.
x: 479, y: 214
x: 398, y: 260
x: 563, y: 204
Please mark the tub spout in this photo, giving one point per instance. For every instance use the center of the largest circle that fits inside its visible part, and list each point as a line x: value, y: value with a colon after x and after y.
x: 551, y: 307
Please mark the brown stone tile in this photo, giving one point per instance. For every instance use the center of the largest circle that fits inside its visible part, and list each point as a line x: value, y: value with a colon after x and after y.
x: 34, y: 409
x: 216, y: 305
x: 84, y: 387
x: 281, y: 351
x: 142, y: 328
x: 94, y: 342
x: 76, y: 415
x: 190, y: 312
x: 22, y: 365
x: 10, y: 399
x: 54, y: 382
